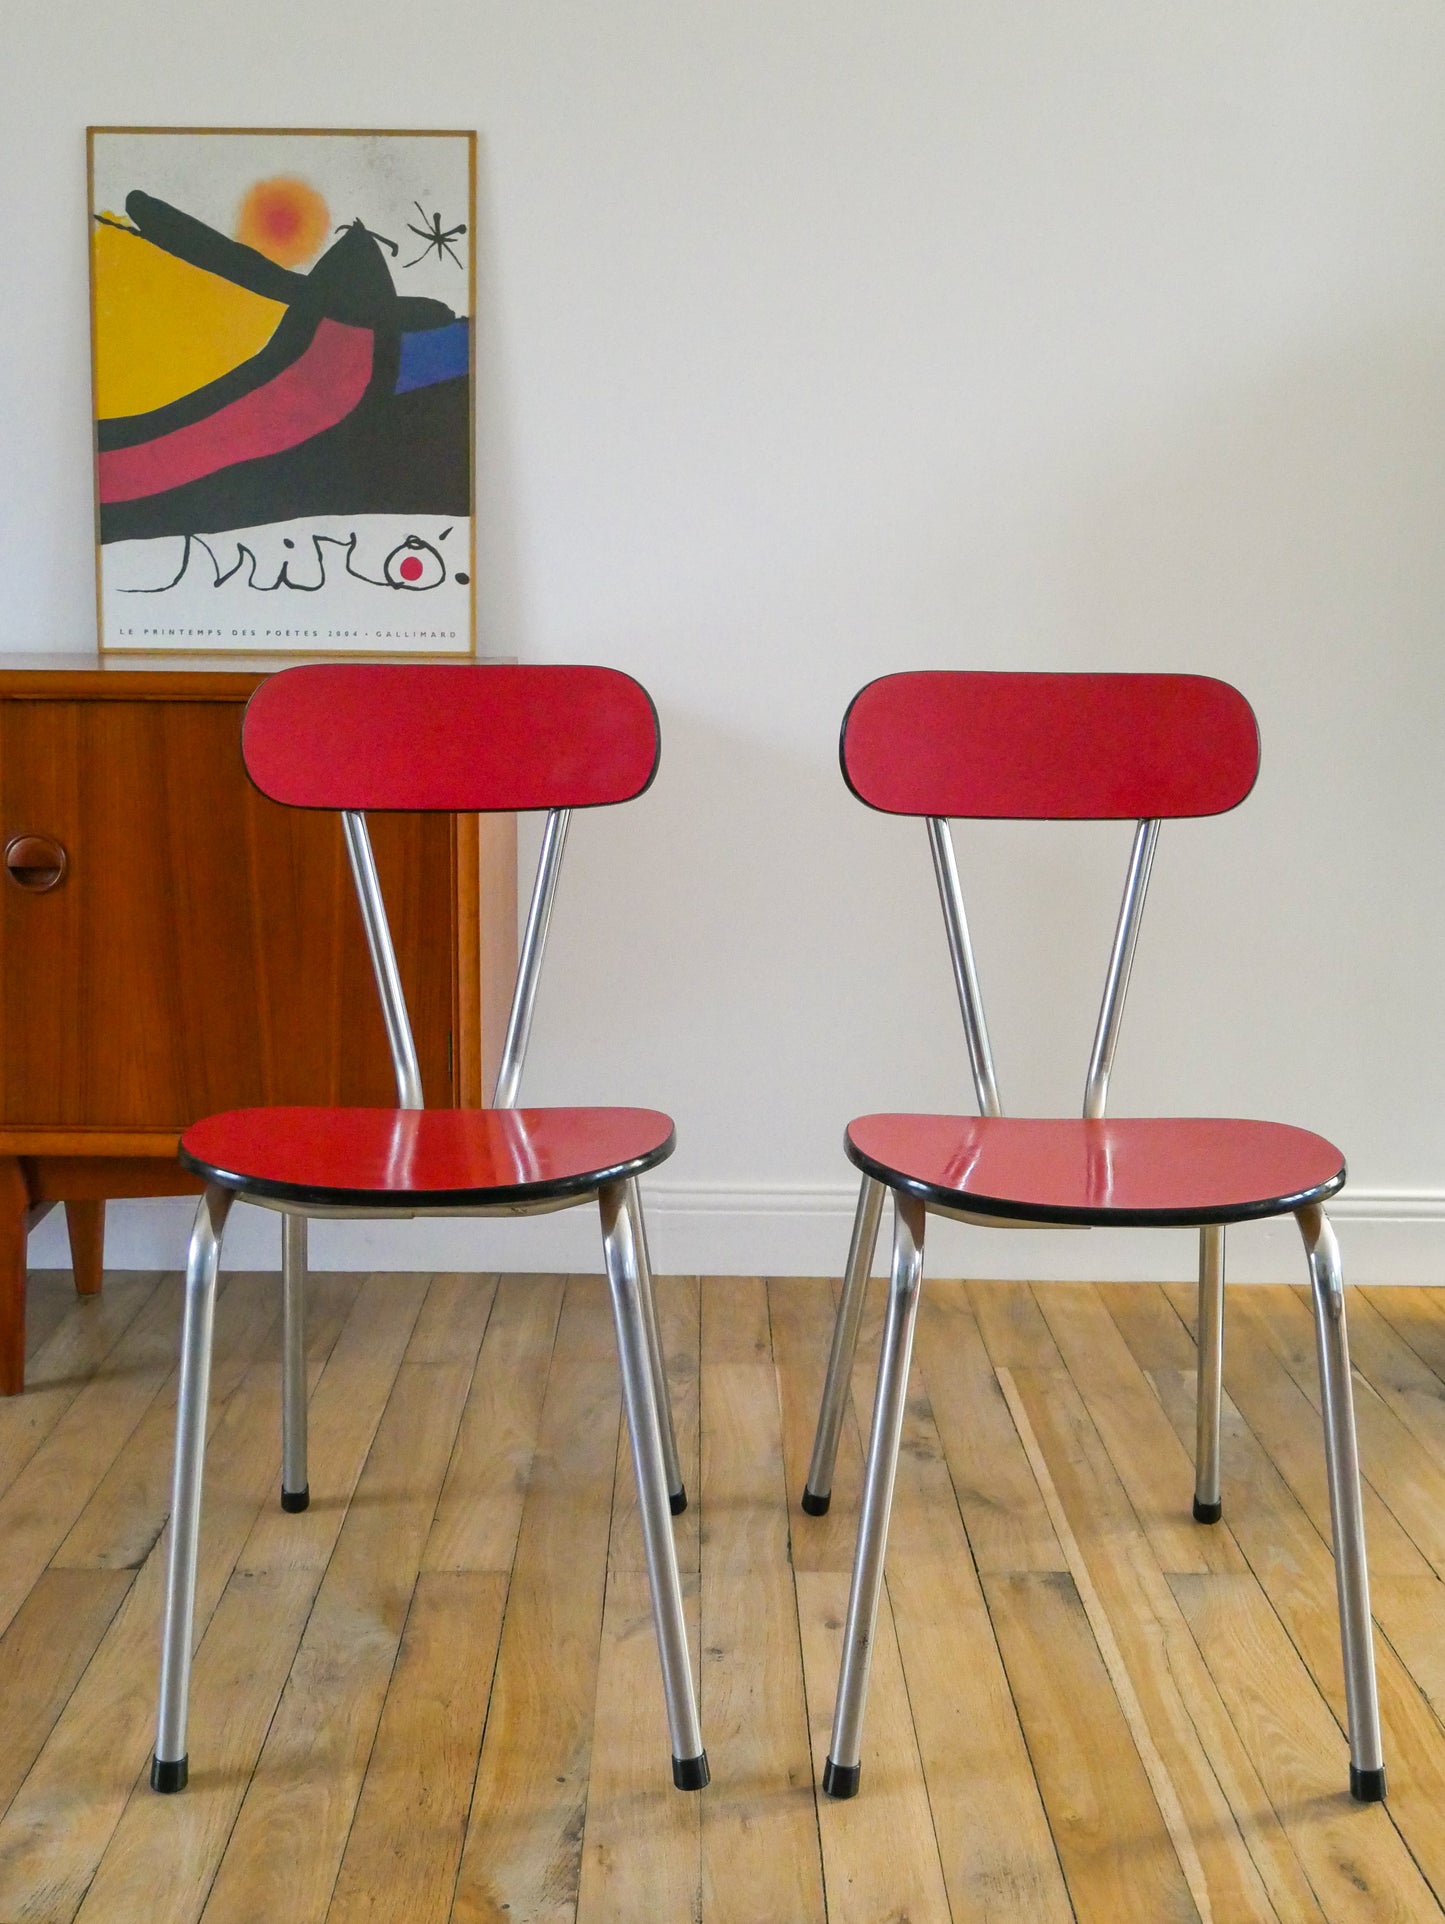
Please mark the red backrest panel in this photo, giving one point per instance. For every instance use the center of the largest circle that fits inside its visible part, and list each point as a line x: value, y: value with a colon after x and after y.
x: 1050, y: 747
x: 452, y: 736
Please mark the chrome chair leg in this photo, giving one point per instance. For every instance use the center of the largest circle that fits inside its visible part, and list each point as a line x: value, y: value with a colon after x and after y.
x: 840, y: 1773
x: 1207, y: 1503
x: 295, y: 1488
x: 623, y: 1257
x: 818, y: 1490
x: 168, y: 1763
x: 1342, y: 1461
x: 676, y: 1488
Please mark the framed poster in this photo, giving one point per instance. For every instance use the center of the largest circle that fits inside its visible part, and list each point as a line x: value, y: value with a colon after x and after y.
x: 281, y: 345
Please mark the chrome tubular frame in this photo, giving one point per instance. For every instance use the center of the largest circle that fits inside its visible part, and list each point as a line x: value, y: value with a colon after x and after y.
x: 1342, y: 1463
x: 383, y: 960
x: 644, y: 1381
x: 295, y: 1488
x: 840, y: 1774
x: 168, y: 1763
x: 1210, y: 1382
x: 818, y: 1491
x: 676, y: 1488
x: 622, y: 1252
x: 529, y: 966
x: 1121, y: 962
x: 965, y: 971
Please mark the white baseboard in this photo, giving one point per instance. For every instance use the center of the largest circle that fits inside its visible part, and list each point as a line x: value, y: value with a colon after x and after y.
x: 786, y: 1229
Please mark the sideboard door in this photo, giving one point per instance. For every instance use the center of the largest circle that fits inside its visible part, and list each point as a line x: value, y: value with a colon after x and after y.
x: 202, y: 949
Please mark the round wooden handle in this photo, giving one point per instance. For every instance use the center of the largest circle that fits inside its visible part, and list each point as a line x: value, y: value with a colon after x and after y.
x: 35, y: 862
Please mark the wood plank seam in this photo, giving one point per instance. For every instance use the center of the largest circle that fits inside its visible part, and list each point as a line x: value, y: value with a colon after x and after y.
x: 411, y: 1600
x: 1157, y: 1771
x: 1003, y: 1667
x: 220, y: 1856
x: 797, y: 1609
x: 506, y: 1611
x: 854, y: 1416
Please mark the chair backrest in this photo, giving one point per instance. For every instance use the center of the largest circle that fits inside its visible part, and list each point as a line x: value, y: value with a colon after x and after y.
x: 1048, y: 747
x: 457, y: 738
x: 460, y: 738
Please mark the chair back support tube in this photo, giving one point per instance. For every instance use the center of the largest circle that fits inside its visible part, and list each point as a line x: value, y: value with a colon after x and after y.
x: 529, y: 965
x: 965, y: 973
x: 1121, y: 962
x: 383, y: 960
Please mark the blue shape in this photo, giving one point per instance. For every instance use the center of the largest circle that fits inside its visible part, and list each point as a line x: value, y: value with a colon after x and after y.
x: 435, y: 354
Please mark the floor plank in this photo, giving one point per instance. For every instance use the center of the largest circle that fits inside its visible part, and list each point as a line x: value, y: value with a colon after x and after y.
x: 641, y: 1841
x: 760, y: 1852
x: 1216, y: 1805
x: 521, y: 1863
x: 1354, y: 1857
x: 412, y: 1816
x: 238, y: 1675
x: 1111, y: 1838
x: 284, y: 1852
x: 800, y: 1315
x: 481, y: 1501
x: 998, y: 1858
x: 1003, y: 1509
x: 880, y: 1853
x: 1149, y: 1459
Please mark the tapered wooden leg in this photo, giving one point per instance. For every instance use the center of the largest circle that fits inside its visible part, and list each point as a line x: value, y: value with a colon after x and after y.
x: 14, y: 1202
x: 85, y: 1222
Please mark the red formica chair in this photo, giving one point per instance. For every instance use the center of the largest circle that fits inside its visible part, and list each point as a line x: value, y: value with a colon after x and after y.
x: 463, y: 739
x: 1050, y: 747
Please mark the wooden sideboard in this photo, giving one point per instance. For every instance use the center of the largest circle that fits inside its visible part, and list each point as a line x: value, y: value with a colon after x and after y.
x: 172, y: 944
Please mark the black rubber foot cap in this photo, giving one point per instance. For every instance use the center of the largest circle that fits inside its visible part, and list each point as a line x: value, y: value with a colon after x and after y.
x: 1367, y: 1786
x: 816, y: 1505
x: 169, y: 1777
x: 677, y: 1501
x: 690, y: 1773
x: 295, y: 1500
x: 841, y: 1780
x: 1207, y: 1512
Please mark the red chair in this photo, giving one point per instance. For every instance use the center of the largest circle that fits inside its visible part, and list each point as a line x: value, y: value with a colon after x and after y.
x: 1073, y: 747
x: 457, y: 739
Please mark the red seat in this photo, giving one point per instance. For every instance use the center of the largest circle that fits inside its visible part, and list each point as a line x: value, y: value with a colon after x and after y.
x: 457, y: 738
x: 1130, y: 1171
x: 429, y: 1158
x: 1049, y: 747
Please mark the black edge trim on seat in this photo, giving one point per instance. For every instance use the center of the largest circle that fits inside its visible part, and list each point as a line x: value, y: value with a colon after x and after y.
x: 578, y: 1188
x: 1006, y: 1211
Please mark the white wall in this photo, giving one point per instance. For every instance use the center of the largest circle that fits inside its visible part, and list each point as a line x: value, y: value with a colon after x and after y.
x: 821, y: 339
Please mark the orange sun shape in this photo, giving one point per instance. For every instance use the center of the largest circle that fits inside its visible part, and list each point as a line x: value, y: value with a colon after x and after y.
x: 284, y: 219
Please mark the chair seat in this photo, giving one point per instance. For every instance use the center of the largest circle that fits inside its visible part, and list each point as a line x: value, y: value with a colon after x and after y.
x: 1136, y: 1170
x: 427, y: 1158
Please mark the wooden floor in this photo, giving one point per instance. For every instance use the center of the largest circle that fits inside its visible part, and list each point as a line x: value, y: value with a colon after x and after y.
x: 434, y: 1695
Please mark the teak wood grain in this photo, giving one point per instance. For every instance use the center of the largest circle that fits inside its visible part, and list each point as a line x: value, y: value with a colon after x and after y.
x: 203, y: 950
x: 434, y: 1694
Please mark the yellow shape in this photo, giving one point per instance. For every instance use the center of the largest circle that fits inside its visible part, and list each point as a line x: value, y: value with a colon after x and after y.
x: 164, y: 328
x: 284, y: 219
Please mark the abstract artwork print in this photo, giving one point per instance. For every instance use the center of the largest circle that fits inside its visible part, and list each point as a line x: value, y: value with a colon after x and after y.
x: 281, y: 336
